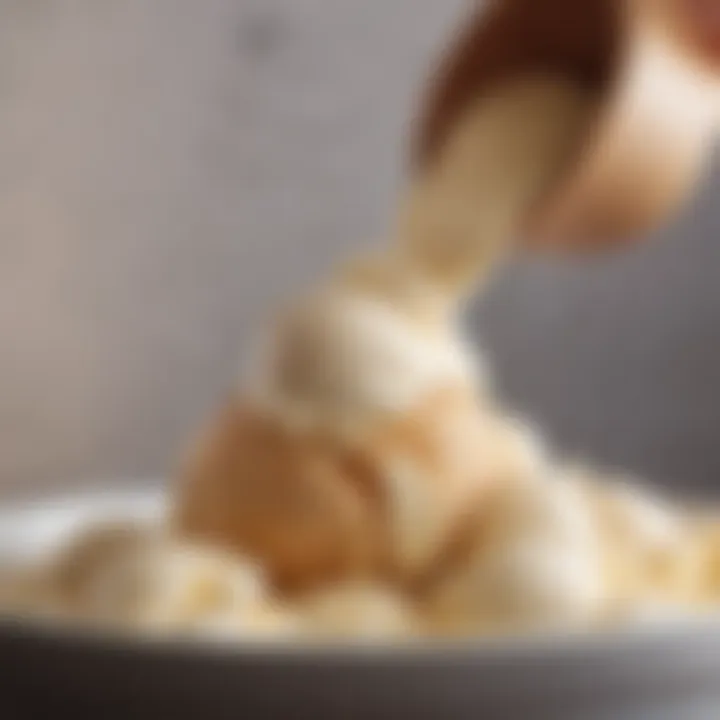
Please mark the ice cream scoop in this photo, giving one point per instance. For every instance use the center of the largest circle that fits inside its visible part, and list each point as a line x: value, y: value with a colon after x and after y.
x: 653, y: 68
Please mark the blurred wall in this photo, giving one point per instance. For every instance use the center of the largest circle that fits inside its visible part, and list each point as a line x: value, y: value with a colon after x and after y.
x: 170, y: 169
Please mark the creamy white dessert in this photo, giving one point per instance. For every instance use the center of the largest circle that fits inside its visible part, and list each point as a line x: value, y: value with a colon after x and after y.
x: 365, y: 483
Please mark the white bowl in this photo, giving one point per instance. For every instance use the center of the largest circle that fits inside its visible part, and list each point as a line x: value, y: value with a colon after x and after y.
x: 658, y: 673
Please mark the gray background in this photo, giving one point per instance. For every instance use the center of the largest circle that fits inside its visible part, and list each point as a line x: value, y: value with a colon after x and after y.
x: 169, y: 169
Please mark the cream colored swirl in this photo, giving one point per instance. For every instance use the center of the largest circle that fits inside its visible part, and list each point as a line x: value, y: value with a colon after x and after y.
x: 343, y: 358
